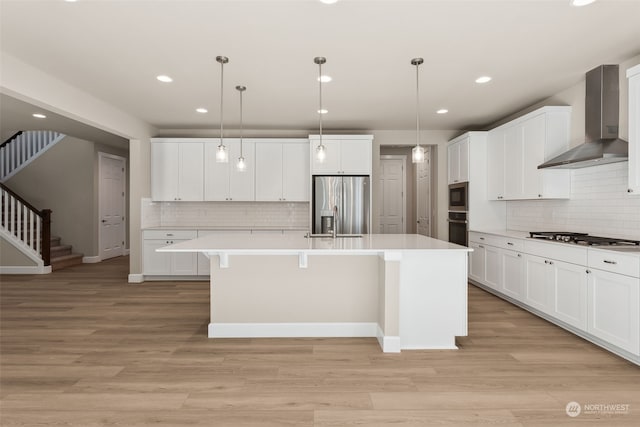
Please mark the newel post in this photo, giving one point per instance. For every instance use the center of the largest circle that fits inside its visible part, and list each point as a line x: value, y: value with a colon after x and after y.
x: 46, y: 236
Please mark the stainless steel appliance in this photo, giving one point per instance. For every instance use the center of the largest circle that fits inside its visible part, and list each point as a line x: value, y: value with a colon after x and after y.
x: 458, y: 227
x: 602, y: 102
x: 341, y: 204
x: 458, y: 196
x: 582, y: 238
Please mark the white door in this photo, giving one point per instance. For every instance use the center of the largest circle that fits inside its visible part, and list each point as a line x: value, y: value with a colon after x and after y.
x: 393, y: 186
x: 111, y: 190
x: 423, y: 195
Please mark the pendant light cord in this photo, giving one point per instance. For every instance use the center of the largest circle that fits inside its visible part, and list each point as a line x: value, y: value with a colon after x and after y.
x: 241, y: 90
x: 417, y: 107
x: 320, y: 97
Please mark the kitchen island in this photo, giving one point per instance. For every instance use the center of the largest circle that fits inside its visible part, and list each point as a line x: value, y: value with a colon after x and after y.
x: 409, y: 291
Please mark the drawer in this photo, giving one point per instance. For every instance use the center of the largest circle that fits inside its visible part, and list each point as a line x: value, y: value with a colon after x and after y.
x: 202, y: 233
x: 170, y: 234
x: 614, y: 262
x: 511, y: 243
x: 474, y: 236
x: 558, y: 251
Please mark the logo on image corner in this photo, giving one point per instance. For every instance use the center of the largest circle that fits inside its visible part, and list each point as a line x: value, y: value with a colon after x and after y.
x: 573, y: 409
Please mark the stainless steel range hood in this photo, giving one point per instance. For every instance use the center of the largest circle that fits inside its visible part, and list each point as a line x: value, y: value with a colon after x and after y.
x: 601, y: 123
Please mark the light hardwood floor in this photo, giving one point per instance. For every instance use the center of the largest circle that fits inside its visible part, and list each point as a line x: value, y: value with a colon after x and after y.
x: 81, y: 347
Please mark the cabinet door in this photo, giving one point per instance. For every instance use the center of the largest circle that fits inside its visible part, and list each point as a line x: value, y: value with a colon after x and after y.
x: 216, y: 175
x: 634, y: 130
x: 538, y: 278
x: 242, y: 184
x: 453, y: 163
x: 191, y: 171
x: 493, y: 273
x: 295, y: 171
x: 331, y: 163
x: 155, y: 263
x: 164, y: 171
x: 533, y: 143
x: 512, y: 274
x: 613, y: 309
x: 477, y: 260
x: 514, y: 163
x: 355, y: 157
x: 463, y: 163
x: 495, y: 164
x: 569, y: 285
x: 184, y: 264
x: 269, y: 168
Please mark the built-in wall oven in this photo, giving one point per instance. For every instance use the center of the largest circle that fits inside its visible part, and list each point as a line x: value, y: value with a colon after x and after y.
x: 458, y: 227
x: 458, y: 208
x: 458, y: 196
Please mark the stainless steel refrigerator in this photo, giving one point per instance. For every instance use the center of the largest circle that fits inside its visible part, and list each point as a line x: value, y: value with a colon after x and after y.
x: 350, y: 195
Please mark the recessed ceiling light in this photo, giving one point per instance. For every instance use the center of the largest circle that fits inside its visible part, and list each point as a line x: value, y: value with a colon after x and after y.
x: 325, y: 79
x: 442, y: 111
x: 579, y: 3
x: 328, y: 1
x: 483, y: 79
x: 39, y: 116
x: 164, y: 79
x: 71, y: 1
x: 323, y: 111
x: 202, y: 110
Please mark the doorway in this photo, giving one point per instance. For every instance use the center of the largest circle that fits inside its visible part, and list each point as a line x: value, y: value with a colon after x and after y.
x: 393, y: 184
x: 111, y: 205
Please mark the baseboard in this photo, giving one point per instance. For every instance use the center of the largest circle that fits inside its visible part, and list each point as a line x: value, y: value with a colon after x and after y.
x: 136, y: 278
x: 292, y: 330
x: 90, y: 259
x: 33, y: 269
x: 126, y: 252
x: 388, y: 344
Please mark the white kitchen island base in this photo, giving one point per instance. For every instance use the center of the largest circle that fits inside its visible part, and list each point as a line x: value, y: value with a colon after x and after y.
x: 409, y: 292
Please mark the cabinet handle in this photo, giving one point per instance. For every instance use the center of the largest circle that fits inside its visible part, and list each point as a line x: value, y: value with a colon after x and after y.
x: 546, y: 262
x: 509, y: 243
x: 480, y: 246
x: 519, y: 255
x: 482, y: 238
x: 588, y: 271
x: 169, y: 234
x: 539, y: 195
x: 550, y: 262
x: 610, y: 262
x: 630, y: 190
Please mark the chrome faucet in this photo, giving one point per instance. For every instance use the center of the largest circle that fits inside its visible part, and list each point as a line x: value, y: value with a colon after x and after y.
x: 334, y: 233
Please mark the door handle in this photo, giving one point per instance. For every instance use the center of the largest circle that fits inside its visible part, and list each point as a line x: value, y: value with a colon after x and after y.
x: 104, y: 220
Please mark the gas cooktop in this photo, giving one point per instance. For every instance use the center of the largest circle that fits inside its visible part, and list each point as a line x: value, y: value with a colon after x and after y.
x: 581, y: 238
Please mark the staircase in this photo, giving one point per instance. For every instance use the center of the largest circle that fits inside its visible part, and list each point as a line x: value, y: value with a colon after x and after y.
x: 23, y: 148
x: 62, y: 256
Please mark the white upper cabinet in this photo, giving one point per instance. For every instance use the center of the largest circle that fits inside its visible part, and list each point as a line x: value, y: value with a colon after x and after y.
x: 633, y: 74
x: 282, y: 171
x: 345, y: 154
x: 517, y: 148
x: 176, y: 170
x: 222, y: 181
x: 458, y: 160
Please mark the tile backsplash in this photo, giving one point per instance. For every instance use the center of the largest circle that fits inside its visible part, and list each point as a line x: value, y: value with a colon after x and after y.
x: 225, y: 214
x: 599, y: 205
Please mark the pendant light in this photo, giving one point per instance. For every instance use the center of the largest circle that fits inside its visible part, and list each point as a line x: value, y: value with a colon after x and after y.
x: 241, y: 166
x: 417, y: 154
x: 321, y: 151
x: 221, y: 154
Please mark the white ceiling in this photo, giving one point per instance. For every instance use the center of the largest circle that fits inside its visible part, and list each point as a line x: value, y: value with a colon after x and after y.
x: 114, y: 49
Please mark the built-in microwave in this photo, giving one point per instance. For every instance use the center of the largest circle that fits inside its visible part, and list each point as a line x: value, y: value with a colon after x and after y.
x: 458, y: 196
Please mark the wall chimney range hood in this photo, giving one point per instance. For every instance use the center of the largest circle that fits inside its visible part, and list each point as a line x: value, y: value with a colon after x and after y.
x: 601, y: 124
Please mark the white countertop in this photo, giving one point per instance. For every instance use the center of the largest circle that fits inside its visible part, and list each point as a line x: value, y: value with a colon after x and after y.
x: 281, y: 244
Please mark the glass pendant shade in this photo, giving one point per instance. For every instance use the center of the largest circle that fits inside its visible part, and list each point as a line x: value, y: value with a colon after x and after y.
x: 221, y: 154
x: 417, y: 154
x: 241, y: 166
x: 321, y: 153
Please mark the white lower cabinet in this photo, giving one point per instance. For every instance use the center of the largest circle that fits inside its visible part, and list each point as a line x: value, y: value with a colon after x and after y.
x: 167, y: 264
x: 614, y: 308
x: 512, y: 273
x: 594, y: 291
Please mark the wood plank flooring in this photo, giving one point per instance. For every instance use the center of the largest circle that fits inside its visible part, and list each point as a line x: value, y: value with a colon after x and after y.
x: 81, y: 347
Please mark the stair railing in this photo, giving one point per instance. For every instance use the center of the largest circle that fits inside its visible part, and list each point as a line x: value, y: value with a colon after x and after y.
x: 23, y: 148
x: 32, y: 227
